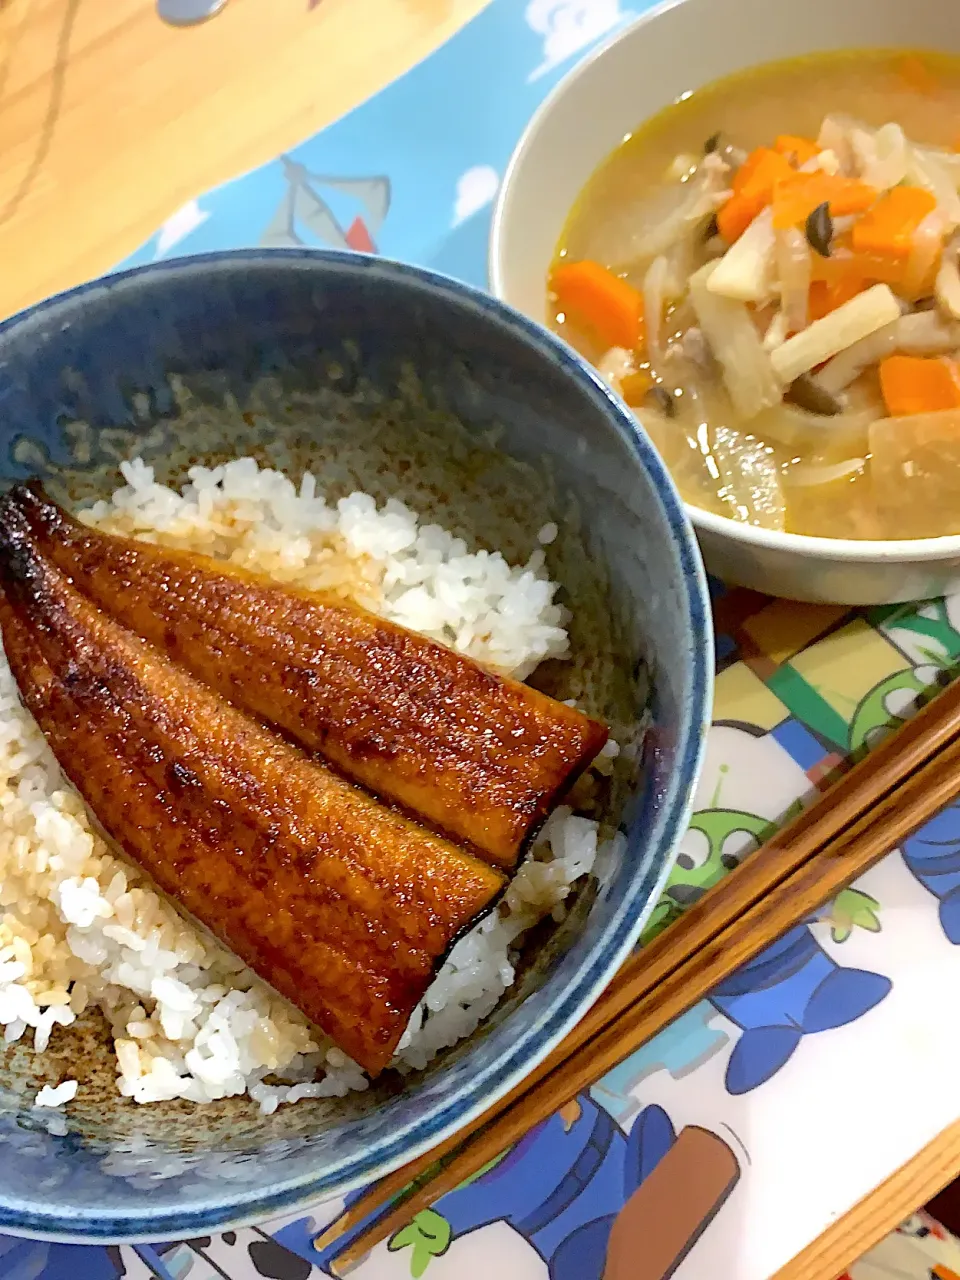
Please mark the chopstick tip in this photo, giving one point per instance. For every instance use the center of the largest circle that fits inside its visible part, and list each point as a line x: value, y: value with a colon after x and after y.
x: 347, y: 1262
x: 332, y: 1233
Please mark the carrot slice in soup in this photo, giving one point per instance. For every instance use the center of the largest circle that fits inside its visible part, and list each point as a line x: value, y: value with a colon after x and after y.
x: 844, y: 274
x: 753, y: 186
x: 797, y: 150
x: 887, y: 229
x: 761, y: 169
x: 912, y: 384
x: 796, y: 197
x: 599, y: 301
x: 827, y: 295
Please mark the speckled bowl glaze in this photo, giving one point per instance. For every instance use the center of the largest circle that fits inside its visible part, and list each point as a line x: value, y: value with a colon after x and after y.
x: 404, y: 383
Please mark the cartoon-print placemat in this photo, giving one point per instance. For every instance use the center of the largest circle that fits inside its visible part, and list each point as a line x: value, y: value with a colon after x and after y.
x: 819, y: 1068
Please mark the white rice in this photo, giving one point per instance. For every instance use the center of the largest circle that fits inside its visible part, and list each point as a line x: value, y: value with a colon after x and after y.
x: 82, y: 928
x: 50, y: 1096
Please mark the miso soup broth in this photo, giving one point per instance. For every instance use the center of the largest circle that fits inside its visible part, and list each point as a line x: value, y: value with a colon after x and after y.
x: 767, y: 273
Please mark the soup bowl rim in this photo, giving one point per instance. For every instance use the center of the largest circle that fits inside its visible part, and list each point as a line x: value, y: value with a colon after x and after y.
x: 856, y: 551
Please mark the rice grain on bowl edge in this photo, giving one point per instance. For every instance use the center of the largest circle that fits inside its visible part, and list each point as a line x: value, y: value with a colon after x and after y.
x: 82, y: 928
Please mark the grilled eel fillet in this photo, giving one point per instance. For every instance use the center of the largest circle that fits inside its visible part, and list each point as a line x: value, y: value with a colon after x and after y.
x: 341, y: 905
x: 481, y: 758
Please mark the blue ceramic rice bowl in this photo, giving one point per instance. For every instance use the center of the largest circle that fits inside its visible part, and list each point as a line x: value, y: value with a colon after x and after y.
x: 387, y: 379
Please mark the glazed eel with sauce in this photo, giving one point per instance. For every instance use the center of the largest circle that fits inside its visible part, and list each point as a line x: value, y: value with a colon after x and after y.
x: 343, y: 905
x: 479, y: 757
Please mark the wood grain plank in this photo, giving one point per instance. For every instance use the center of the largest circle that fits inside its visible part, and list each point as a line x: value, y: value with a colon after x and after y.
x: 879, y: 1213
x: 110, y: 120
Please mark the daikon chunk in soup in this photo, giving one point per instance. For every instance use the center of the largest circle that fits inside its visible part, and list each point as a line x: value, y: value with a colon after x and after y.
x: 767, y: 272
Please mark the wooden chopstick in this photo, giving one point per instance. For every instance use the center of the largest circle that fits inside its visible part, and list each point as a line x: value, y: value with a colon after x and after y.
x: 904, y: 781
x: 818, y: 880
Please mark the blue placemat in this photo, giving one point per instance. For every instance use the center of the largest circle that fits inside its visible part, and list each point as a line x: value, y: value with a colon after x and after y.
x: 411, y: 173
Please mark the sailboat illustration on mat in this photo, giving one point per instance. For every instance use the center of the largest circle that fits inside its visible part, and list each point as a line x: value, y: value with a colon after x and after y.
x: 304, y: 210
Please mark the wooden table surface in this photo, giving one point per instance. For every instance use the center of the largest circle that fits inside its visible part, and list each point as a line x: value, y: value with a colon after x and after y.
x: 109, y: 121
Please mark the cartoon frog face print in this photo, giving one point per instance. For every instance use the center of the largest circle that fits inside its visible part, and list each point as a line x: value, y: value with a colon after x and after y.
x: 893, y: 701
x: 716, y: 842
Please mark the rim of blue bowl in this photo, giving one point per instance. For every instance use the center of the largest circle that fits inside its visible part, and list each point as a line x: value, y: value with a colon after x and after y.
x: 407, y: 1141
